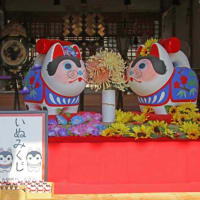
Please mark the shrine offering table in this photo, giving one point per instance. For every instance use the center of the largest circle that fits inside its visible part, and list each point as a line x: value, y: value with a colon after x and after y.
x: 97, y: 165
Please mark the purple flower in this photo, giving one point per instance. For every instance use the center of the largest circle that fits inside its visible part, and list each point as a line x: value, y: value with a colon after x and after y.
x: 92, y: 130
x: 25, y: 90
x: 52, y: 133
x: 52, y: 122
x: 63, y: 132
x: 77, y: 120
x: 51, y: 127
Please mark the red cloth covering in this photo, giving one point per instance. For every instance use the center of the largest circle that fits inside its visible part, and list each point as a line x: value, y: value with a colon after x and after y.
x: 97, y: 164
x: 164, y: 117
x: 124, y: 166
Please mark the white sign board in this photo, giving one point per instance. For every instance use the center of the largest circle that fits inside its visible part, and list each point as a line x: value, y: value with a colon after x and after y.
x: 23, y: 146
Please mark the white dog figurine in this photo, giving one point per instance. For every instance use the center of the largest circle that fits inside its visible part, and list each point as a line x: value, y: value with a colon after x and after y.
x: 56, y: 80
x: 161, y: 76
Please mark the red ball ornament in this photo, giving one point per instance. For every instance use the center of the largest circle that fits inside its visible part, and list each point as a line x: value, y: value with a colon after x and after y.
x: 172, y: 45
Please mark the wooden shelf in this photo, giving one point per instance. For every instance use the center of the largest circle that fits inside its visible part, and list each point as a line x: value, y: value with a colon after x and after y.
x: 131, y: 196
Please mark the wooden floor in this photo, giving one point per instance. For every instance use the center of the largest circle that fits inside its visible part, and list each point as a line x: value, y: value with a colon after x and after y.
x: 133, y: 196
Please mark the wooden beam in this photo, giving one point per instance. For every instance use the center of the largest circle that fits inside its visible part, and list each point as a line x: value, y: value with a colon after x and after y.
x: 131, y: 196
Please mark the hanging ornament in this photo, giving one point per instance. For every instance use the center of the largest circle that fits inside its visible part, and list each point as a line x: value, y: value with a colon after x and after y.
x: 90, y: 24
x: 66, y: 29
x: 77, y: 25
x: 100, y: 25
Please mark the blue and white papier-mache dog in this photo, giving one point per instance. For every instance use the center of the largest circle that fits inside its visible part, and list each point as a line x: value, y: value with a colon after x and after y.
x: 56, y: 79
x: 161, y: 75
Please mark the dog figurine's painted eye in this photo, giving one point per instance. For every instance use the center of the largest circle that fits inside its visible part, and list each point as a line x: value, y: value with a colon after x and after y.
x: 142, y: 65
x: 68, y: 66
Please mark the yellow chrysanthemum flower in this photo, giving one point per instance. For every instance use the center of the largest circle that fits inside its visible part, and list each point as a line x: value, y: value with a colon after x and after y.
x: 187, y: 108
x: 148, y: 109
x: 191, y: 129
x: 123, y: 117
x: 186, y: 127
x: 140, y: 118
x: 173, y: 110
x: 120, y: 128
x: 107, y: 132
x: 141, y: 131
x: 196, y: 118
x: 112, y: 60
x: 106, y: 70
x: 180, y: 118
x: 158, y: 127
x: 168, y: 132
x: 193, y: 134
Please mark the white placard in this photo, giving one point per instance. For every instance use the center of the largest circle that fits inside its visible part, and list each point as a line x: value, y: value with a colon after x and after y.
x: 23, y: 146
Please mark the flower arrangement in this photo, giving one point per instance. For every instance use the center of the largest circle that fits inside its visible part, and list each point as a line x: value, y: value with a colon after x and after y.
x: 80, y: 124
x: 106, y: 70
x: 185, y: 124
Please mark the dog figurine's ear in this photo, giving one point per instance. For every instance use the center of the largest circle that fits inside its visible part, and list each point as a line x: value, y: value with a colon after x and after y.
x: 55, y: 51
x: 158, y: 51
x: 139, y: 50
x: 78, y: 52
x: 154, y: 51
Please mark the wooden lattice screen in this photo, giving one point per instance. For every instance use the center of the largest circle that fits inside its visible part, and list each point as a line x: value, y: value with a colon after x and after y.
x: 136, y: 27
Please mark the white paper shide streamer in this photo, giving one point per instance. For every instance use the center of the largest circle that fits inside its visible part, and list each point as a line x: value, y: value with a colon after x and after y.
x: 108, y: 105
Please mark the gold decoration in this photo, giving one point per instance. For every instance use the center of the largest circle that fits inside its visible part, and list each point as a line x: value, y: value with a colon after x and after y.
x: 100, y: 25
x: 66, y: 29
x: 90, y: 24
x: 93, y: 25
x: 77, y: 25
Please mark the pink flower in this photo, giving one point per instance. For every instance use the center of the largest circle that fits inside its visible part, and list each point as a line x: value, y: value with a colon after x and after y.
x: 97, y: 116
x: 87, y: 116
x: 79, y: 129
x: 94, y: 122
